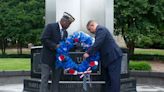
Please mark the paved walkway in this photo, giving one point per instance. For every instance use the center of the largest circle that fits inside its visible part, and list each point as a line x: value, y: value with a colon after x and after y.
x: 11, y: 88
x: 157, y: 66
x: 140, y: 88
x: 150, y: 88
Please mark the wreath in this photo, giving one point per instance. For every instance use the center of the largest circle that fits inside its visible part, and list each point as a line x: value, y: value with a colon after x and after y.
x: 63, y: 59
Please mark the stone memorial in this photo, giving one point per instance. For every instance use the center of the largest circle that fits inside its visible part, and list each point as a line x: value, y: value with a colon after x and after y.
x: 82, y: 10
x: 69, y: 82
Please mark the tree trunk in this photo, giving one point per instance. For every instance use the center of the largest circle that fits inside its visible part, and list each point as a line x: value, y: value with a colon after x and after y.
x: 19, y: 47
x: 3, y: 45
x: 131, y: 46
x: 17, y: 43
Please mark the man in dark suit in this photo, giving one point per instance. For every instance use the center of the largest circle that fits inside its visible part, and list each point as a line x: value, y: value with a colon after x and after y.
x: 52, y: 35
x: 110, y: 54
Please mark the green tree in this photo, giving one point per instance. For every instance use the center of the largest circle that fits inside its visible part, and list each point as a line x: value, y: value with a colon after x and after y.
x: 19, y: 19
x: 3, y: 25
x: 135, y: 18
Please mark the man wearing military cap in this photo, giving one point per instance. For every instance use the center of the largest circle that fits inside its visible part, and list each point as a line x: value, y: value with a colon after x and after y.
x: 51, y: 36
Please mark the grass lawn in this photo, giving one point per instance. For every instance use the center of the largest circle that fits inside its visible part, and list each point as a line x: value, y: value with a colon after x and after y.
x: 14, y: 64
x: 149, y: 51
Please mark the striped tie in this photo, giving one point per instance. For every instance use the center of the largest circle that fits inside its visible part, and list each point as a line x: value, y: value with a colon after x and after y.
x: 62, y: 34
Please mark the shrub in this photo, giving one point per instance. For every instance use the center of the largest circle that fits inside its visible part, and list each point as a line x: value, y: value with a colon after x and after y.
x: 151, y: 41
x: 147, y: 57
x: 144, y: 66
x: 15, y: 56
x: 144, y: 42
x: 158, y: 42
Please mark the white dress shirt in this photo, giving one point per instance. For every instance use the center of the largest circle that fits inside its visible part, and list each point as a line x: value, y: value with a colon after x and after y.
x: 61, y: 30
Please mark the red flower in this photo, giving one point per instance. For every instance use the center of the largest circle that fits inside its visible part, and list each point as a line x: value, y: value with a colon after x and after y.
x: 71, y: 71
x: 76, y: 40
x: 93, y: 63
x: 61, y: 57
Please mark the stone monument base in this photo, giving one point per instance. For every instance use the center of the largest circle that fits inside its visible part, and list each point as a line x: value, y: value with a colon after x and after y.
x: 127, y: 85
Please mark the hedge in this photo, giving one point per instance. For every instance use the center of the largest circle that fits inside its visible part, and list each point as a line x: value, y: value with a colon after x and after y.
x: 143, y: 66
x: 15, y: 56
x: 146, y: 57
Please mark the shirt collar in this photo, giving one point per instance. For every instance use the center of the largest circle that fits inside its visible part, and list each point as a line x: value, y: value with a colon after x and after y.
x: 60, y: 26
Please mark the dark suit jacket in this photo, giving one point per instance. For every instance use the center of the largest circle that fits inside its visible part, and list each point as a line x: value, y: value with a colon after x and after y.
x: 50, y: 38
x: 106, y: 45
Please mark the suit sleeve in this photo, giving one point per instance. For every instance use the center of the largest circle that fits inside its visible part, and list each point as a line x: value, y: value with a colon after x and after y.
x: 46, y: 38
x: 99, y: 39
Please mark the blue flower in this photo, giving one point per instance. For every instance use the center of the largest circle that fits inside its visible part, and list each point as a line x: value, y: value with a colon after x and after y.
x: 63, y: 59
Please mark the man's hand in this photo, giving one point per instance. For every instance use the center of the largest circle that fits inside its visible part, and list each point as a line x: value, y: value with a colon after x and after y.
x: 86, y: 55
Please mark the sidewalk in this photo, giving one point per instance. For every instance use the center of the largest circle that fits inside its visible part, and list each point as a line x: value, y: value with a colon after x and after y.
x: 157, y: 66
x: 140, y: 88
x: 11, y: 88
x: 150, y: 88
